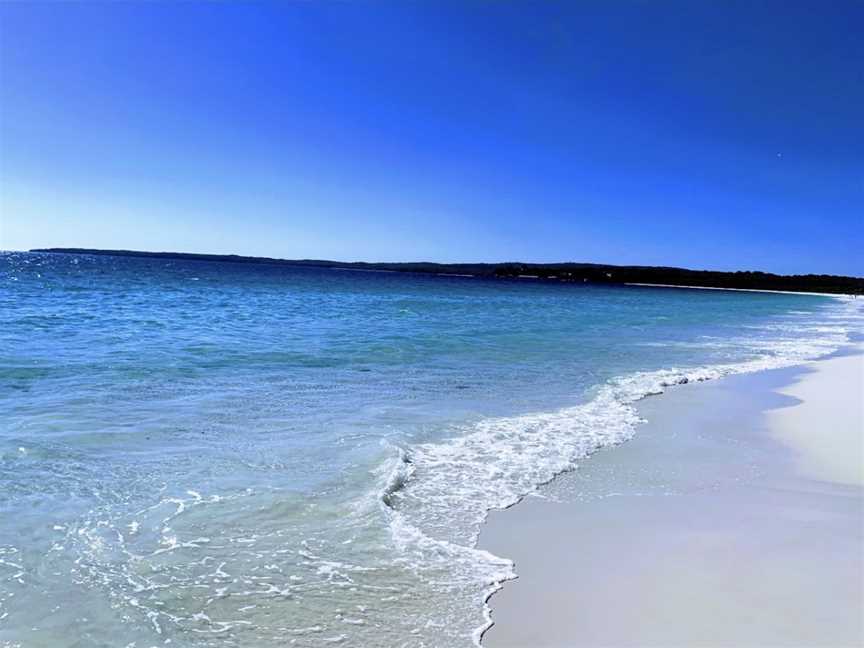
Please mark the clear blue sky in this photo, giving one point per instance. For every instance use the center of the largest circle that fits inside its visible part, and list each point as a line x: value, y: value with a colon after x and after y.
x: 723, y: 135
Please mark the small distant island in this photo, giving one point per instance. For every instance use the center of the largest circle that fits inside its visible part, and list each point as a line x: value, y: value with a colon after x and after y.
x: 562, y: 272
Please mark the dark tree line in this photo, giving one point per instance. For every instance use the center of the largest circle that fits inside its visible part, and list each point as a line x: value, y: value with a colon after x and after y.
x: 565, y: 272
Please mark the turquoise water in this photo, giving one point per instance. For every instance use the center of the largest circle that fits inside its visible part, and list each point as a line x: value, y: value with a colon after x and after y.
x: 209, y: 454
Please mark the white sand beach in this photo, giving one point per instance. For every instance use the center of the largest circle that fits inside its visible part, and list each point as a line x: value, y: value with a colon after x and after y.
x: 832, y: 404
x: 755, y: 290
x: 734, y: 518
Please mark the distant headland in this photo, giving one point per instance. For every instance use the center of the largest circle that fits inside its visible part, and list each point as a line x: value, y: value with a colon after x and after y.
x: 562, y: 272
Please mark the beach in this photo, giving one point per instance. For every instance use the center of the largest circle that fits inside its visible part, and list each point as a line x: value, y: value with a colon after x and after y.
x: 431, y: 325
x: 735, y: 517
x: 262, y: 455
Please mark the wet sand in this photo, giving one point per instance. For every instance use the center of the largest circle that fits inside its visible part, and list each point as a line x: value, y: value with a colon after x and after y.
x: 734, y: 518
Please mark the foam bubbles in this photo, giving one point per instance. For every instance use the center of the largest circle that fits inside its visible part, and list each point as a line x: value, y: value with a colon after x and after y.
x: 436, y: 495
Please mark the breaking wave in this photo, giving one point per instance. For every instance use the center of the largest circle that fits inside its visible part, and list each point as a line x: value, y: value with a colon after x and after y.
x: 437, y: 495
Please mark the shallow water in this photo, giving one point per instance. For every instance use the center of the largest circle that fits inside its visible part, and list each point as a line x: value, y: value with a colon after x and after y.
x: 212, y: 454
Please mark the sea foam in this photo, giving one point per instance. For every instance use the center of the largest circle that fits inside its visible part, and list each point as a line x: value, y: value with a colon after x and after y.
x: 437, y: 495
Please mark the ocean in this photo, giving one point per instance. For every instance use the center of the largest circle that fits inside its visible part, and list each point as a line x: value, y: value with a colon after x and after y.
x: 213, y: 454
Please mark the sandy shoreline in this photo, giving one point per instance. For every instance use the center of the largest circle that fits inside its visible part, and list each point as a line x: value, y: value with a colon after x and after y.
x: 734, y: 518
x: 756, y: 290
x: 836, y: 454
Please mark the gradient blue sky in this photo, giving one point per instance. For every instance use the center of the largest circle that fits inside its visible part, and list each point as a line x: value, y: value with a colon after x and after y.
x: 723, y: 135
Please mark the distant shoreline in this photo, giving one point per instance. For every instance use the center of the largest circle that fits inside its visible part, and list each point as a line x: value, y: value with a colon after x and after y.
x: 569, y: 272
x: 756, y: 290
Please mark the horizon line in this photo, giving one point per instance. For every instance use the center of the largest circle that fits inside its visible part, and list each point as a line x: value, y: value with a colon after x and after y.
x: 490, y: 264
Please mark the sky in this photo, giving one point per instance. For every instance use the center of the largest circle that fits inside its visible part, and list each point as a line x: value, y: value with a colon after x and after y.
x: 718, y: 135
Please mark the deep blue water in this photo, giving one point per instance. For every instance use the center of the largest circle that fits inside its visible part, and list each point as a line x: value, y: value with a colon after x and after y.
x: 249, y: 455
